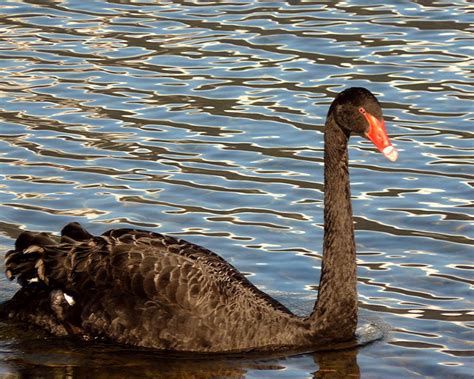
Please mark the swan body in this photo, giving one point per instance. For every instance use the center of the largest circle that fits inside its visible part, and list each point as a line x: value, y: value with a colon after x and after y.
x: 146, y: 289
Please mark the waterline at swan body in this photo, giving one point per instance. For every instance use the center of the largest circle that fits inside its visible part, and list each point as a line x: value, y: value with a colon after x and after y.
x: 146, y: 289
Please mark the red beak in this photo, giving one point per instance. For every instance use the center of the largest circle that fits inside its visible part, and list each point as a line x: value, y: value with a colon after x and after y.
x: 378, y: 135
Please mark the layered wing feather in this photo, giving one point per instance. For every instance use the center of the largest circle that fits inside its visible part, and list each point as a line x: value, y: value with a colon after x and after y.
x: 147, y: 289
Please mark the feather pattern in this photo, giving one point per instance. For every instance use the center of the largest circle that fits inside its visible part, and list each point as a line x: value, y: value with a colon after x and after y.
x: 151, y: 290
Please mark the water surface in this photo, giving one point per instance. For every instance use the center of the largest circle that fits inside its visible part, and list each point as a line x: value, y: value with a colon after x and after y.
x: 204, y: 120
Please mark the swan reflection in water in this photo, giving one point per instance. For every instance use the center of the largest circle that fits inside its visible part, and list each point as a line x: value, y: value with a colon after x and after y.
x: 65, y: 357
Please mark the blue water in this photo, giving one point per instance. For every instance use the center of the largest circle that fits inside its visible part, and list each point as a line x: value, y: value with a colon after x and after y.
x: 204, y: 120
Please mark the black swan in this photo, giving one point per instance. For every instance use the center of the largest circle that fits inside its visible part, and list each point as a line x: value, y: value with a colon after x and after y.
x: 150, y: 290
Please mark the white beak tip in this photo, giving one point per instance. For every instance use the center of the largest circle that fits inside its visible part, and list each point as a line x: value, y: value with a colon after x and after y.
x: 390, y: 153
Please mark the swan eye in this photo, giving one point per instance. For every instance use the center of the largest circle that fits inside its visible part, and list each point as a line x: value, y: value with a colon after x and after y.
x: 362, y: 110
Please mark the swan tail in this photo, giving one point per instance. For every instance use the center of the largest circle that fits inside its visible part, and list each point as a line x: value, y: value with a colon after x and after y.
x: 42, y: 257
x: 26, y: 262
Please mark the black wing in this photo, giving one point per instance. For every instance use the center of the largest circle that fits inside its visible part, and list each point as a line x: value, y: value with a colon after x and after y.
x: 147, y: 289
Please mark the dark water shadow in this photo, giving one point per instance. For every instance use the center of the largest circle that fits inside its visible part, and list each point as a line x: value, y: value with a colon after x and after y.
x: 66, y: 359
x: 28, y: 353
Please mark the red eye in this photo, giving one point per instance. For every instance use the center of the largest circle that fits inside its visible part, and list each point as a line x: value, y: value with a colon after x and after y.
x: 362, y: 110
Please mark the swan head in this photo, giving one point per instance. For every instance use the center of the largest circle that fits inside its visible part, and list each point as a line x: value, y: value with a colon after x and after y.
x: 357, y: 110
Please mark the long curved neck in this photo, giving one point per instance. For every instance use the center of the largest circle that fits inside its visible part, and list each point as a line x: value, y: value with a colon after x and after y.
x: 335, y: 312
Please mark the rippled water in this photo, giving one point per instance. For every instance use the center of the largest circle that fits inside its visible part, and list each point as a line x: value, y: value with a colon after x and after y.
x: 204, y: 119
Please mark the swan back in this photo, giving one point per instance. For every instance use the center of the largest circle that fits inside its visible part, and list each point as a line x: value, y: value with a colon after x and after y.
x: 147, y: 289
